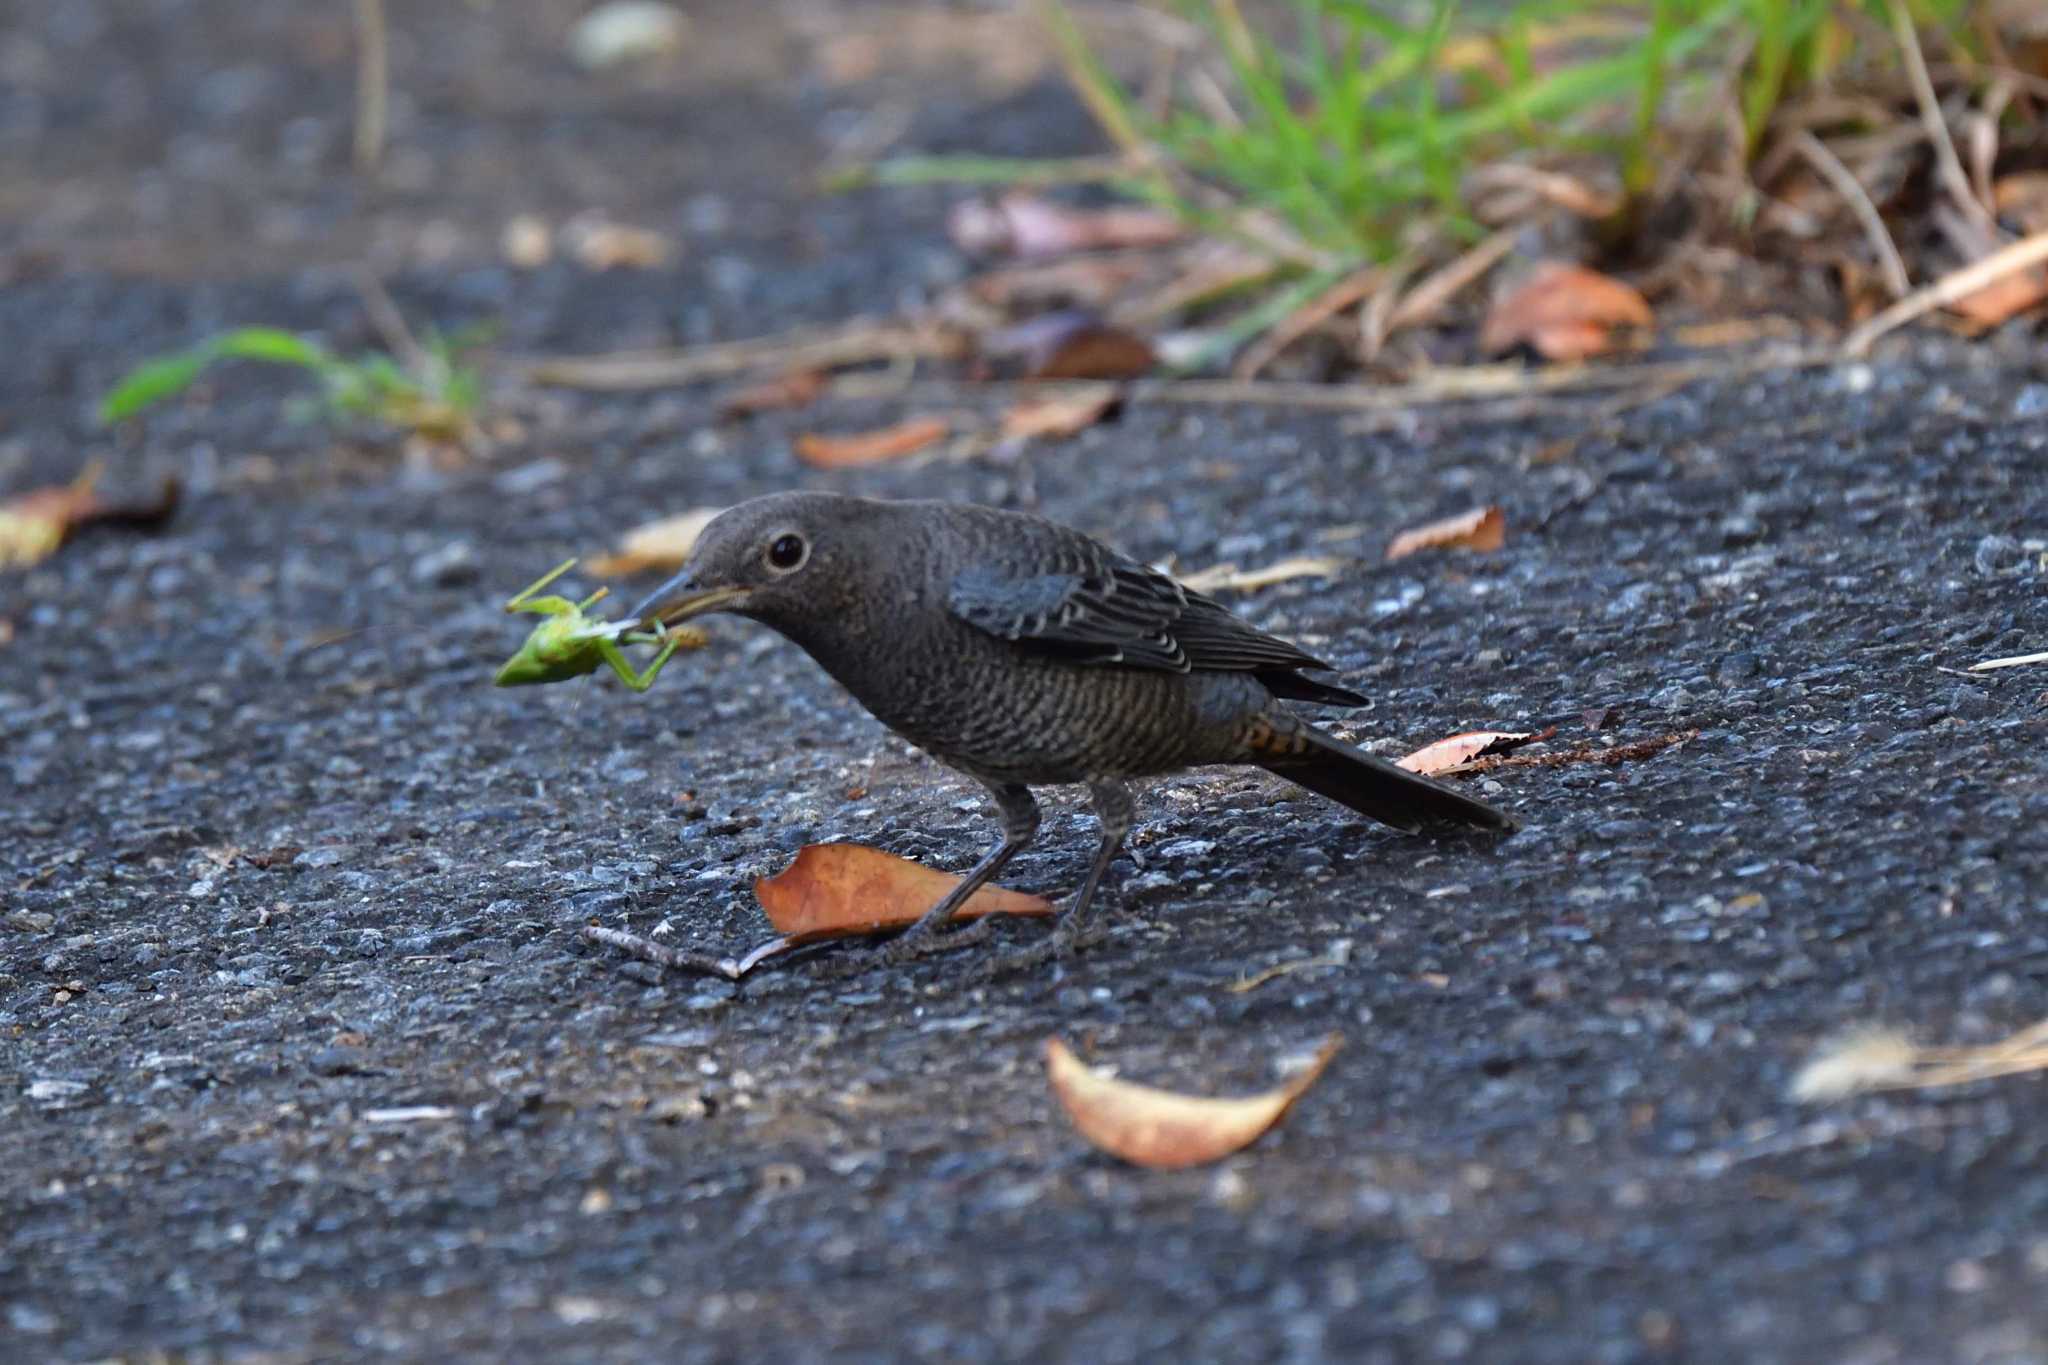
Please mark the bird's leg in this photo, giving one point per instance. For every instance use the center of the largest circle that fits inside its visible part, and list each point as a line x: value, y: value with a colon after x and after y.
x: 1019, y: 814
x: 1115, y: 810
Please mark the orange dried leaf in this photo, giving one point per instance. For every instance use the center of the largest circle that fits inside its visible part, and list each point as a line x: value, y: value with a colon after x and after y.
x: 1563, y: 312
x: 2004, y: 298
x: 791, y: 389
x: 871, y: 447
x: 1163, y: 1130
x: 1060, y: 416
x: 34, y: 524
x: 1483, y: 528
x: 834, y: 890
x: 1447, y: 755
x: 663, y: 544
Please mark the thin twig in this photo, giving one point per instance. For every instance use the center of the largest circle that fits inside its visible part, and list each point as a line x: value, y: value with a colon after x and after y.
x: 646, y: 949
x: 852, y: 343
x: 373, y: 84
x: 390, y: 324
x: 1851, y: 189
x: 1306, y: 319
x: 2010, y: 260
x: 1945, y: 158
x: 1440, y: 286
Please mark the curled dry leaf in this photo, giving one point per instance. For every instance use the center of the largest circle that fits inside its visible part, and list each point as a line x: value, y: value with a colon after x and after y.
x: 1563, y: 312
x: 1027, y: 226
x: 1060, y: 415
x: 34, y: 524
x: 663, y: 544
x: 1163, y: 1130
x: 1230, y: 578
x: 871, y: 447
x: 1483, y: 528
x: 790, y: 389
x: 1453, y: 753
x: 1071, y: 345
x: 833, y: 890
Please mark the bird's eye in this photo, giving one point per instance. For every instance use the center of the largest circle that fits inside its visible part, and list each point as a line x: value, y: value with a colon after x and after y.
x: 787, y: 552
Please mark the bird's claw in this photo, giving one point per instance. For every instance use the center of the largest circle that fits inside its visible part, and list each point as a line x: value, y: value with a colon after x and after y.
x: 908, y: 947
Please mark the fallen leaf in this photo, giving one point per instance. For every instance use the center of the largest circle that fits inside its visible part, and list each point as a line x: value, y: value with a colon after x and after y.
x: 664, y: 544
x: 1027, y: 226
x: 1061, y: 415
x: 834, y: 890
x: 1453, y: 753
x: 1230, y: 578
x: 1071, y: 345
x: 2003, y: 298
x: 1483, y: 528
x: 1563, y: 312
x: 871, y: 447
x: 2022, y: 200
x: 791, y: 389
x: 1161, y: 1129
x: 34, y: 524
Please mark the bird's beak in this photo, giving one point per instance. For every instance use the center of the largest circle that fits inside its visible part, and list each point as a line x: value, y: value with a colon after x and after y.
x: 681, y: 598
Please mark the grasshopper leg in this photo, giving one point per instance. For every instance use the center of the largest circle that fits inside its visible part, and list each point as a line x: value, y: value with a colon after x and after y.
x: 639, y: 682
x: 525, y: 600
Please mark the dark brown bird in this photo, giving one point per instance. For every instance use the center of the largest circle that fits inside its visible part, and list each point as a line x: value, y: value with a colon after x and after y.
x: 1023, y: 653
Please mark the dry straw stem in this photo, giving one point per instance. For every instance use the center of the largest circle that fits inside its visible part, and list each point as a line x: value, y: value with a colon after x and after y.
x: 1882, y: 1059
x: 1858, y: 199
x: 373, y: 84
x: 1950, y: 166
x: 2024, y: 254
x: 2012, y: 661
x: 852, y: 343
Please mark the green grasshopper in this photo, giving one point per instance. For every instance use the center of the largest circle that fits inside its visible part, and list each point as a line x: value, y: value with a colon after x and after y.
x: 569, y: 644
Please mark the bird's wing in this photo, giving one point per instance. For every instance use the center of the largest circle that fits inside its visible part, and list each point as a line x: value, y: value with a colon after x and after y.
x: 1105, y: 609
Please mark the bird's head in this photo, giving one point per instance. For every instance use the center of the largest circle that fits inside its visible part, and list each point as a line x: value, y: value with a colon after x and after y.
x: 788, y: 560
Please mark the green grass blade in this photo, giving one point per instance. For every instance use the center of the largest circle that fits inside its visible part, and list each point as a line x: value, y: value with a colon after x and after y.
x: 153, y: 381
x: 273, y: 344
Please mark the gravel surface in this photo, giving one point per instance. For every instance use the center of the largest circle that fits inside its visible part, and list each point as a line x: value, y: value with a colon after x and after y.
x: 302, y: 1057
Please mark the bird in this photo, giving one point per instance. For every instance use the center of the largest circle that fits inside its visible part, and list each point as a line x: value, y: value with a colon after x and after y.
x: 1023, y: 653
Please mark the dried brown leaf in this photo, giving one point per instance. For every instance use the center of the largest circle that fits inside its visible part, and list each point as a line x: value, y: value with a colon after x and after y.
x: 1452, y: 753
x: 834, y: 890
x: 1563, y: 312
x: 1060, y: 415
x: 34, y: 524
x: 1071, y: 345
x: 663, y: 544
x: 2004, y: 298
x: 1163, y: 1130
x: 1483, y: 528
x: 790, y: 389
x: 871, y: 447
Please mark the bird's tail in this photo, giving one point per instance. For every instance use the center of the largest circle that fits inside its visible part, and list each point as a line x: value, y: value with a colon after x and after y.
x: 1294, y: 749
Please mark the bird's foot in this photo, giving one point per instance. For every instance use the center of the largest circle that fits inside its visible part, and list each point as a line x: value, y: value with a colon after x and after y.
x: 1057, y: 947
x: 908, y: 947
